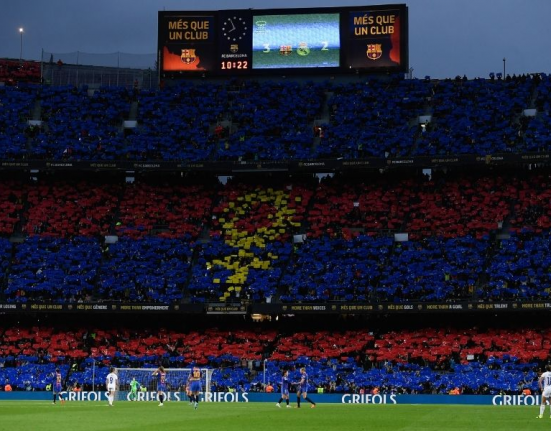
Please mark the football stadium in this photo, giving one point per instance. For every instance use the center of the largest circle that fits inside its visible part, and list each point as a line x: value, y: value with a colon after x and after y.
x: 275, y: 225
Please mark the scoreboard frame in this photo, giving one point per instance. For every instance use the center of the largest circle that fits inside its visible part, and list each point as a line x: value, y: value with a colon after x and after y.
x: 249, y: 42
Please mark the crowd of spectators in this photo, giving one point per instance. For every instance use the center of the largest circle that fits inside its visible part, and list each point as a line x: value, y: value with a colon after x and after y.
x: 377, y: 239
x: 274, y: 121
x: 423, y: 360
x: 439, y: 238
x: 19, y: 72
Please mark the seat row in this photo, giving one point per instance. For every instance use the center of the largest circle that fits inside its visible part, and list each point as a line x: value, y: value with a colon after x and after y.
x: 423, y: 360
x: 284, y: 120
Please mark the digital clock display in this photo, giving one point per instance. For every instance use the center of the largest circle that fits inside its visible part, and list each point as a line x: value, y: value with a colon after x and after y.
x: 231, y: 65
x: 234, y: 41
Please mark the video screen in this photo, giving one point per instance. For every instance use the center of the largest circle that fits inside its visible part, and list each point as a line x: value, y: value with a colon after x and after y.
x: 296, y: 41
x: 374, y: 39
x: 187, y: 42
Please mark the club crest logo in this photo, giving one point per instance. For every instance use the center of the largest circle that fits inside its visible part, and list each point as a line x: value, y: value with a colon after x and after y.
x: 303, y: 49
x: 374, y: 51
x: 285, y: 50
x: 234, y: 48
x: 188, y: 56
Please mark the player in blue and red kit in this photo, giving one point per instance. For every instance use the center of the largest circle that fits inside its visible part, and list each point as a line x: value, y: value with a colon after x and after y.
x: 285, y: 384
x: 58, y: 386
x: 161, y: 384
x: 302, y: 388
x: 194, y: 383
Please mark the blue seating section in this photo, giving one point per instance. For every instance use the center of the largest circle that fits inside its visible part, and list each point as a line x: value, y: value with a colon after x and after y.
x: 475, y: 377
x: 145, y: 270
x: 537, y: 130
x: 30, y: 375
x: 335, y: 269
x: 210, y: 280
x: 53, y: 270
x: 432, y: 270
x: 61, y: 271
x: 5, y: 256
x: 16, y: 107
x: 80, y: 126
x: 475, y: 117
x: 373, y: 119
x: 272, y: 121
x: 275, y: 120
x: 520, y: 270
x: 174, y: 124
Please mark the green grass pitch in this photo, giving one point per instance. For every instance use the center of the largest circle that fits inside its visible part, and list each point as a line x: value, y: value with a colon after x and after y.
x: 97, y: 416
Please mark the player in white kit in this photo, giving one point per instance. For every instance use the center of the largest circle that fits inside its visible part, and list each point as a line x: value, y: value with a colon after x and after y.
x: 111, y: 383
x: 544, y: 383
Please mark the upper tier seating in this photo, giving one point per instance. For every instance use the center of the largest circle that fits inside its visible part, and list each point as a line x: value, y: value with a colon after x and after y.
x: 16, y: 108
x: 373, y: 119
x: 272, y: 121
x: 285, y: 120
x: 81, y: 126
x: 475, y: 117
x: 14, y: 72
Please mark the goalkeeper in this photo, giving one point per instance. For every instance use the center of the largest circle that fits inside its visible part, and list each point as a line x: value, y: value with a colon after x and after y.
x: 134, y: 389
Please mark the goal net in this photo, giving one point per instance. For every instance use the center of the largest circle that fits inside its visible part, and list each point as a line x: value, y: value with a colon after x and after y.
x: 176, y: 379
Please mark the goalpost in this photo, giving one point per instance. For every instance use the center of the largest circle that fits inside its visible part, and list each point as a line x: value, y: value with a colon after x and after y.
x: 176, y: 379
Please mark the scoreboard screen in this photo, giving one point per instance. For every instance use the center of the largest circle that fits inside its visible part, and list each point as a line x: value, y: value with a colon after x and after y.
x: 295, y: 41
x: 188, y: 42
x: 241, y: 42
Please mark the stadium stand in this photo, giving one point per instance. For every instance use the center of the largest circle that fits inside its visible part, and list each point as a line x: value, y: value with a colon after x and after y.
x: 15, y: 72
x: 281, y: 129
x: 53, y: 269
x: 476, y: 117
x: 378, y: 238
x: 422, y: 360
x: 332, y: 240
x: 16, y: 109
x: 81, y: 124
x: 220, y: 121
x: 369, y: 119
x: 170, y: 210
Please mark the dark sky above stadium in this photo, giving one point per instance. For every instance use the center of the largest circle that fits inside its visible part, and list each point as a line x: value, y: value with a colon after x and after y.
x: 447, y: 37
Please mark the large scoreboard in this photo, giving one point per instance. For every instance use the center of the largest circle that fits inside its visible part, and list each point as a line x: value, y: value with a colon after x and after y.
x: 241, y: 42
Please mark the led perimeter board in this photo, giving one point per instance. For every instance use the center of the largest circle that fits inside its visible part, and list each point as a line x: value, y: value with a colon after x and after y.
x: 248, y: 42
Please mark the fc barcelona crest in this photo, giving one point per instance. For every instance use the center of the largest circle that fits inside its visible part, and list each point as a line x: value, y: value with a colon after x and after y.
x: 286, y: 50
x: 188, y: 56
x: 234, y: 48
x: 374, y: 51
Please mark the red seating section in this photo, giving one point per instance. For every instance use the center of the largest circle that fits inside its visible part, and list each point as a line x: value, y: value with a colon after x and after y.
x: 429, y: 345
x: 67, y: 210
x: 433, y: 345
x: 11, y: 203
x: 448, y: 207
x: 194, y: 346
x: 179, y: 210
x: 322, y: 344
x: 13, y: 72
